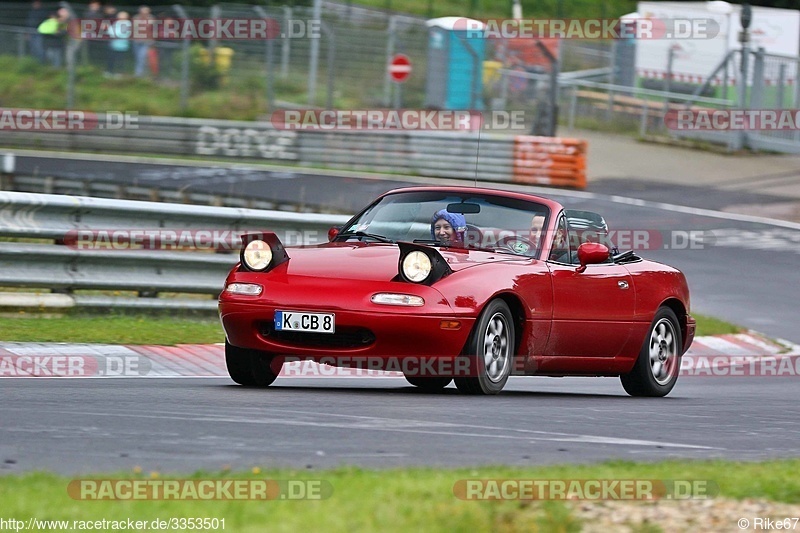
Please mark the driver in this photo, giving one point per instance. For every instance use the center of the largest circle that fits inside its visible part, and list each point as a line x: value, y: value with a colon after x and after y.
x: 448, y: 228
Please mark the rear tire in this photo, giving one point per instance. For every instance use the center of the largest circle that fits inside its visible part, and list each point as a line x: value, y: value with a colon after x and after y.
x: 251, y: 368
x: 490, y: 351
x: 429, y: 384
x: 658, y: 365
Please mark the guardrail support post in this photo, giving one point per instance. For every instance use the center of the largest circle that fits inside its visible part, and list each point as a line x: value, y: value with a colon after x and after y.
x: 7, y: 175
x: 643, y: 122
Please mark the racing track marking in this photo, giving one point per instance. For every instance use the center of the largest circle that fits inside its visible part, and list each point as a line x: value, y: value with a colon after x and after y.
x: 390, y: 425
x: 57, y: 360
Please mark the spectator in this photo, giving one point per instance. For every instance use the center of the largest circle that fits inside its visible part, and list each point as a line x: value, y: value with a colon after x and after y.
x: 53, y: 32
x: 95, y: 48
x: 141, y: 46
x: 93, y: 11
x: 120, y: 42
x: 36, y: 16
x: 166, y: 48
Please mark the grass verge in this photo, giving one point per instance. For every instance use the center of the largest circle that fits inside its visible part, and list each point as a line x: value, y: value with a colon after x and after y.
x: 166, y: 330
x: 112, y: 329
x: 708, y: 325
x: 395, y: 500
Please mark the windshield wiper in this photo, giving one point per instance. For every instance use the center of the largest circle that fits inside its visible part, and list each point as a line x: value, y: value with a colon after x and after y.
x: 379, y: 238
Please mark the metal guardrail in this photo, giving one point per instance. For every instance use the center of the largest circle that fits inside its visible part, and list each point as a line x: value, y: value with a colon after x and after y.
x: 51, y: 216
x: 423, y: 153
x: 148, y: 272
x: 155, y: 192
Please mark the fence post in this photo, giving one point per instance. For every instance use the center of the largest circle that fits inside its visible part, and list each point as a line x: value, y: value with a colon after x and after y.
x: 781, y: 84
x: 285, y: 43
x: 185, y: 61
x: 72, y: 48
x: 313, y: 60
x: 268, y: 62
x: 387, y: 79
x: 741, y: 137
x: 757, y: 92
x: 573, y: 107
x: 21, y: 44
x: 215, y: 13
x: 796, y: 97
x: 326, y: 29
x: 554, y: 107
x: 643, y: 123
x: 668, y: 78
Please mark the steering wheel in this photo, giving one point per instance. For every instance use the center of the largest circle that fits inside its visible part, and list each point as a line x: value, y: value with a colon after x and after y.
x: 517, y: 244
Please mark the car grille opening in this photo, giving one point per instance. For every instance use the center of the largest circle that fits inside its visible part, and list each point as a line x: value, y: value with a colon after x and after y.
x: 343, y: 337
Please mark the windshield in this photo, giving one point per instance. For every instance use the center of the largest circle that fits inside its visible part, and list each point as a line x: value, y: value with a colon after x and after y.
x: 450, y: 219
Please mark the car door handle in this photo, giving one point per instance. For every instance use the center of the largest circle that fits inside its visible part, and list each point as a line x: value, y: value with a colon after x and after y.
x: 622, y: 284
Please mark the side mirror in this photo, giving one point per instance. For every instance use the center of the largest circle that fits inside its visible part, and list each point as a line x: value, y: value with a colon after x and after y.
x: 332, y: 233
x: 591, y: 253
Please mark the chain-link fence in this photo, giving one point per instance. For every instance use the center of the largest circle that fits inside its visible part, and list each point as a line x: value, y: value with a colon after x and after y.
x: 339, y: 58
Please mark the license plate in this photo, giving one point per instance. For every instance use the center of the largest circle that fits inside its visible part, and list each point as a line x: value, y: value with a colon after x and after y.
x: 301, y: 321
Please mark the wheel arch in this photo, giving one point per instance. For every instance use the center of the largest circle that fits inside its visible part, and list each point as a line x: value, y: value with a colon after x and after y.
x: 679, y: 309
x: 517, y: 312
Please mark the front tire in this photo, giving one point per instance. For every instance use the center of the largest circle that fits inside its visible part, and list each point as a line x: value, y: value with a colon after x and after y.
x: 251, y: 368
x: 429, y: 384
x: 656, y: 370
x: 490, y: 351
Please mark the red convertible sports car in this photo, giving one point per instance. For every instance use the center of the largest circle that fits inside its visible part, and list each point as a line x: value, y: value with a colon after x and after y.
x: 458, y: 283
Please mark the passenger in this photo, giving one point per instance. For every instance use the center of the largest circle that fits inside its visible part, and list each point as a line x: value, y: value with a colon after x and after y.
x: 537, y: 227
x: 448, y: 228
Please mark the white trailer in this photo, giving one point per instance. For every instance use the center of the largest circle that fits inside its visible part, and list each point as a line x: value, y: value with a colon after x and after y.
x: 696, y: 57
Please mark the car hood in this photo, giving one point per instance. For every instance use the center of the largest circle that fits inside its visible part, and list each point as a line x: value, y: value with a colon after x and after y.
x: 374, y: 261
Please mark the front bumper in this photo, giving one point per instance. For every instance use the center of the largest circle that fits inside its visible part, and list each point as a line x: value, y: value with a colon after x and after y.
x: 390, y: 335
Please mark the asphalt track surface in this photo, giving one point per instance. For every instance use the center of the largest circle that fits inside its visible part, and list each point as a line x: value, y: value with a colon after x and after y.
x: 748, y: 276
x: 77, y: 426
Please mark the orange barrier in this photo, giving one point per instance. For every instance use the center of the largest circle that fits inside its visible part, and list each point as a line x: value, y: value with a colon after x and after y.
x: 550, y: 161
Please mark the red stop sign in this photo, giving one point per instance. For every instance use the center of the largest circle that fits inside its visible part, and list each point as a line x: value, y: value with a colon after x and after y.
x: 400, y: 67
